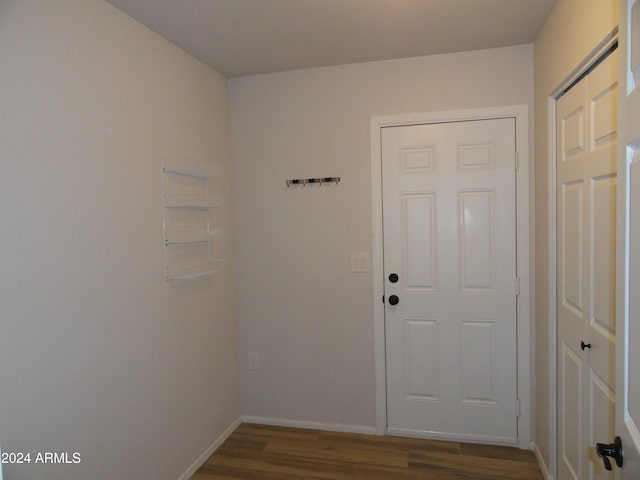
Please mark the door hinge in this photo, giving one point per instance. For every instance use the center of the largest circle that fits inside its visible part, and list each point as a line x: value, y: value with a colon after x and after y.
x: 517, y: 286
x: 517, y: 161
x: 518, y: 408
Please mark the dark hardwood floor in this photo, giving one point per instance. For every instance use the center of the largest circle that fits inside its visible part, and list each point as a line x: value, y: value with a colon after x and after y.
x: 255, y: 452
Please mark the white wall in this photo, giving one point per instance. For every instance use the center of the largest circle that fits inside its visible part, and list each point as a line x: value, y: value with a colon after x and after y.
x: 298, y: 306
x: 98, y: 354
x: 572, y: 32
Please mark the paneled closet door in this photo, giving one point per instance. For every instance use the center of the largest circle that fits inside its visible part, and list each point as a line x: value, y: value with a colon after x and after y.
x: 586, y: 228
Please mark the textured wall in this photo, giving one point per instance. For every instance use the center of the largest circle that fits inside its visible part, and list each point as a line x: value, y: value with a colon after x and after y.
x: 298, y: 306
x: 98, y: 354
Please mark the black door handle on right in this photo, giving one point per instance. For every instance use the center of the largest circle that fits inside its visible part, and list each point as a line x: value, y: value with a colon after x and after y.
x: 613, y: 450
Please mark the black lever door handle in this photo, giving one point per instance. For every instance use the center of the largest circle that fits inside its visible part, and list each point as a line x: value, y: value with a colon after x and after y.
x: 613, y: 450
x: 393, y: 300
x: 584, y: 345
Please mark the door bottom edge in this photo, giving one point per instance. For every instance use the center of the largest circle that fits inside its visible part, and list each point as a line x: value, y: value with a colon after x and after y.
x: 452, y: 437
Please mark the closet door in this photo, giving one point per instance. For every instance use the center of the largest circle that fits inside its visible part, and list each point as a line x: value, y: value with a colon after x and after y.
x: 586, y: 226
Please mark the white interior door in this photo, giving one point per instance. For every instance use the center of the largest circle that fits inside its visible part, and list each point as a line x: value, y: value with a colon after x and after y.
x: 628, y: 274
x: 586, y: 216
x: 449, y: 215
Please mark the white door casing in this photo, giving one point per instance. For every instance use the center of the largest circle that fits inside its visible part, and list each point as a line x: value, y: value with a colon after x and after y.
x: 524, y: 334
x: 586, y: 192
x: 628, y: 259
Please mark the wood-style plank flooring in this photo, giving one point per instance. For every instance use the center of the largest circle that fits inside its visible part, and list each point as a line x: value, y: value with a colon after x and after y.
x: 256, y: 452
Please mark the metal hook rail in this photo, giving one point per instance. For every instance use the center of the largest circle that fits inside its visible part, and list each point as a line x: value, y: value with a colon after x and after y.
x: 310, y: 181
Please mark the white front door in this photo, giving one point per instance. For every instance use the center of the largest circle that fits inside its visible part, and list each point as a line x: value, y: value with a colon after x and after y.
x: 628, y: 274
x: 449, y: 221
x: 586, y: 216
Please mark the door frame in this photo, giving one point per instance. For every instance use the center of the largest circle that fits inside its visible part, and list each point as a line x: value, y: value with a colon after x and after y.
x: 583, y: 67
x: 524, y: 228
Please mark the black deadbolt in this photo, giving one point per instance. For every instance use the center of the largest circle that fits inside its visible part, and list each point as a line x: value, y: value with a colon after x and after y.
x: 393, y: 278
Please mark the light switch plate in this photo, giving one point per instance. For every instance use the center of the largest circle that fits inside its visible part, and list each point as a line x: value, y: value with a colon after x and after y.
x: 253, y: 361
x: 360, y: 262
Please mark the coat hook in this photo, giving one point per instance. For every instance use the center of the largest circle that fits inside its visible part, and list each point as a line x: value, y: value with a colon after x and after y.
x: 320, y: 180
x: 296, y: 181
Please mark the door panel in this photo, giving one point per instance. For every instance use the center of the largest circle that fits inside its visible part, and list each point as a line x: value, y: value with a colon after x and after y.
x: 628, y: 240
x: 571, y: 405
x: 586, y: 192
x: 477, y: 252
x: 419, y: 231
x: 477, y: 362
x: 603, y: 241
x: 600, y: 422
x: 449, y: 234
x: 572, y: 242
x: 633, y: 326
x: 421, y: 359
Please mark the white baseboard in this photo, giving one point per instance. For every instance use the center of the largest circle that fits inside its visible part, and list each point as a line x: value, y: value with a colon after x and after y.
x: 329, y: 427
x: 209, y: 451
x: 543, y: 466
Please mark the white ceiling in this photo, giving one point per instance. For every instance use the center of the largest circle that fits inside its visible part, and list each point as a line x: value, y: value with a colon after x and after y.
x: 246, y: 37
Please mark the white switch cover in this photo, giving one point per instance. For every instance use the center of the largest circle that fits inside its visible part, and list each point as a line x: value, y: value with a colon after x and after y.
x: 360, y: 262
x: 253, y: 361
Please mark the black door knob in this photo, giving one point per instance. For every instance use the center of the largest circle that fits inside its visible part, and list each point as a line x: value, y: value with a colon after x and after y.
x: 393, y: 300
x: 613, y: 450
x: 584, y: 345
x: 393, y: 278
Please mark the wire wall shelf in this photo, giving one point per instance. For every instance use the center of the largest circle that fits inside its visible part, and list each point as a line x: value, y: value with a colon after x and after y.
x: 187, y: 272
x: 190, y: 238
